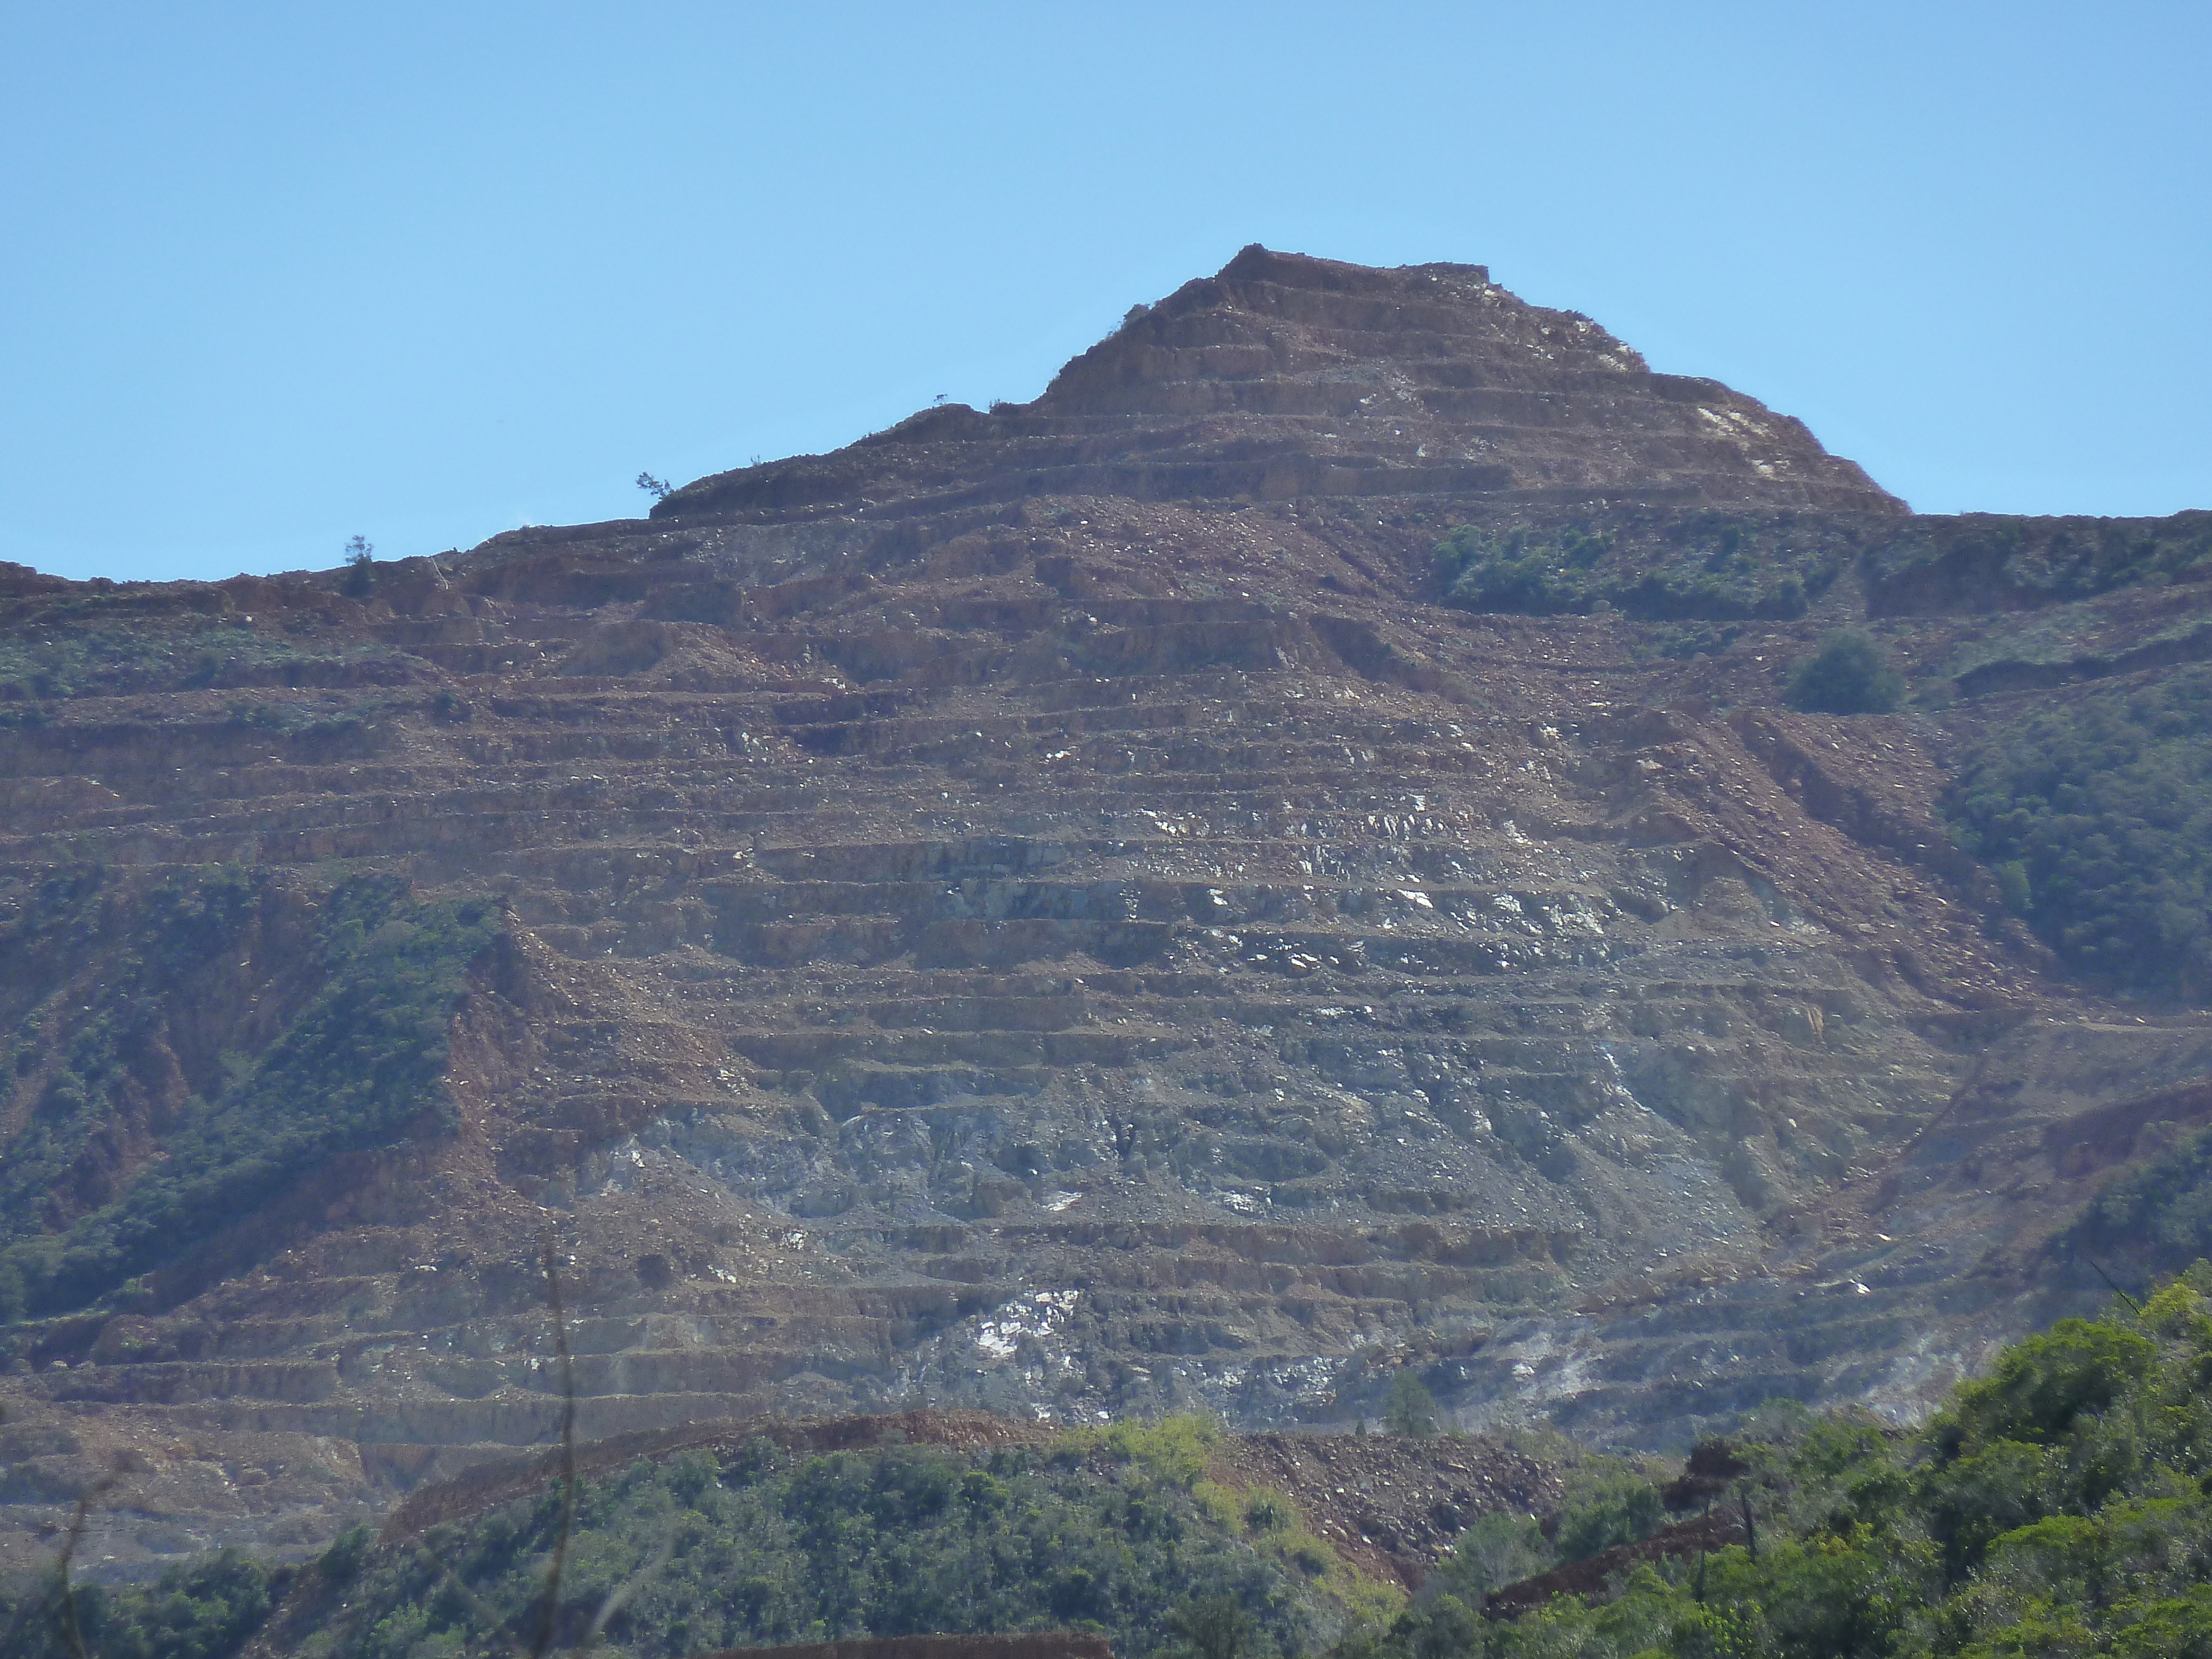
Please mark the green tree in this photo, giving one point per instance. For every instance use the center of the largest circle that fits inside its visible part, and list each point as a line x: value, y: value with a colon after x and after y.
x: 360, y: 574
x: 1411, y: 1409
x: 1850, y: 674
x: 1212, y: 1627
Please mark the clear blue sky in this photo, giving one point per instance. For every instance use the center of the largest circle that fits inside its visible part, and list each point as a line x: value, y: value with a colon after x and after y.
x: 274, y: 275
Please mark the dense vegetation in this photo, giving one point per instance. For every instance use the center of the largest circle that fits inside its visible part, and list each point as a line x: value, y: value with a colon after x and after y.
x: 359, y: 1066
x: 2159, y: 1212
x: 1114, y: 1530
x: 1709, y: 565
x: 2096, y: 812
x: 209, y: 1610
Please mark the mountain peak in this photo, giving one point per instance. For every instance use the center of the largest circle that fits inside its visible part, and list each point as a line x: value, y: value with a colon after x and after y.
x: 1284, y: 375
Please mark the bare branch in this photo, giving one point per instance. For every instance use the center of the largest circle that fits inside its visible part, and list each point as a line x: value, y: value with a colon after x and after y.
x: 72, y: 1635
x: 442, y: 1573
x: 547, y: 1625
x: 2107, y: 1278
x: 618, y: 1597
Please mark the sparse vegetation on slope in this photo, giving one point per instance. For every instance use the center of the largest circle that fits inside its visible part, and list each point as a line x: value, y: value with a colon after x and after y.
x: 1970, y: 560
x: 1716, y: 566
x: 2160, y: 1210
x: 360, y: 1065
x: 2096, y: 812
x: 93, y: 655
x: 209, y: 1610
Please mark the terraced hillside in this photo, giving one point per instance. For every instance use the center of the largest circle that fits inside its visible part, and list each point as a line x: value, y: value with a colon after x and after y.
x: 1075, y: 909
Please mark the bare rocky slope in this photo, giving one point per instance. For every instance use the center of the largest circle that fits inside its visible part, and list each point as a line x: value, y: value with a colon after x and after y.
x: 1057, y: 909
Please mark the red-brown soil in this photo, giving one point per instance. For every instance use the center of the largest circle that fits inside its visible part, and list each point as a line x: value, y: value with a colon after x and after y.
x: 1594, y: 1575
x: 1392, y: 1506
x: 1048, y: 910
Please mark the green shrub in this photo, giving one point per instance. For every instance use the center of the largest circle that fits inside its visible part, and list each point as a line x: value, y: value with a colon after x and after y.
x: 1498, y: 1549
x: 1620, y: 1511
x: 1521, y: 569
x: 1711, y: 565
x: 2040, y: 1388
x: 1410, y: 1410
x: 1175, y: 1448
x: 1212, y: 1627
x: 1848, y: 675
x: 2046, y: 560
x: 360, y: 568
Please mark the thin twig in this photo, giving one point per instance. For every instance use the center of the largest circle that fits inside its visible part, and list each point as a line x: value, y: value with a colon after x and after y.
x: 2107, y: 1278
x: 1704, y: 1540
x: 72, y: 1636
x: 441, y: 1572
x: 547, y: 1625
x: 619, y: 1596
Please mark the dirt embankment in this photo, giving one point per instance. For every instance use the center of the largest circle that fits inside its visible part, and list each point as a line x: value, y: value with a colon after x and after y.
x: 1391, y: 1506
x: 1590, y: 1575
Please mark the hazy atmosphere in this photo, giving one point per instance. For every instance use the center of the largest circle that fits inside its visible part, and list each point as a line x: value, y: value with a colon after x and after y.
x: 275, y: 276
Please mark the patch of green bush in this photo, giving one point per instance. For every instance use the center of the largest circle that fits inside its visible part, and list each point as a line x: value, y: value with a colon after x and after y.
x: 1520, y: 569
x: 187, y: 921
x: 2103, y: 800
x: 1711, y: 565
x: 1411, y: 1409
x: 1500, y: 1548
x: 1850, y: 674
x: 360, y: 1065
x: 2048, y: 560
x: 1619, y: 1511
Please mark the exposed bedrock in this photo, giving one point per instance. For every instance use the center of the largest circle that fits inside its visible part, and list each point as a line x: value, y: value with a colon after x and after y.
x: 1045, y: 910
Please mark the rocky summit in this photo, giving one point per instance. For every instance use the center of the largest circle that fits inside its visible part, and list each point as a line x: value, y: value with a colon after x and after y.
x: 1286, y: 378
x: 1318, y: 846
